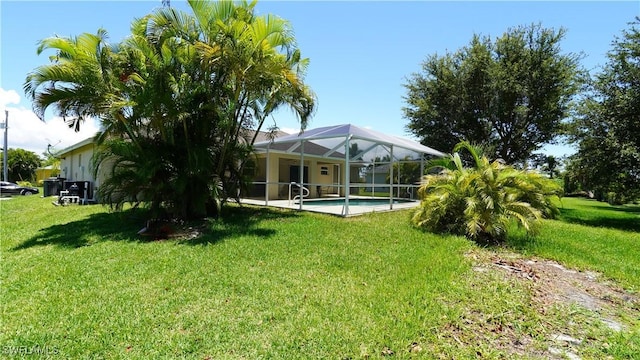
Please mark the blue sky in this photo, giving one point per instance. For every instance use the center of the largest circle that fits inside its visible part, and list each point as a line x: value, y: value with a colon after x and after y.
x: 361, y: 52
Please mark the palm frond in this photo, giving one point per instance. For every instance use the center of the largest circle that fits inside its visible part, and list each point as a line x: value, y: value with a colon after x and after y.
x: 482, y: 201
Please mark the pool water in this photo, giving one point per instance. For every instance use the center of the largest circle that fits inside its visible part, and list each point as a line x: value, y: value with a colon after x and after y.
x: 353, y: 202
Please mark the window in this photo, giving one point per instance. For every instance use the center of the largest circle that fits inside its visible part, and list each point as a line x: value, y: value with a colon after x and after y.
x: 324, y: 170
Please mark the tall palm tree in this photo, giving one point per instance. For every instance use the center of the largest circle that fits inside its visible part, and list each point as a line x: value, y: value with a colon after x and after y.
x: 184, y: 91
x: 481, y: 201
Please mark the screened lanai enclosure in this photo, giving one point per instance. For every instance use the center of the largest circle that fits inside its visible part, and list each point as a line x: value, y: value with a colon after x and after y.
x: 343, y: 169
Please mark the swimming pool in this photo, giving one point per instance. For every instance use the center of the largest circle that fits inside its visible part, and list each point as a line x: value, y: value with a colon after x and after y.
x: 352, y: 202
x: 335, y: 205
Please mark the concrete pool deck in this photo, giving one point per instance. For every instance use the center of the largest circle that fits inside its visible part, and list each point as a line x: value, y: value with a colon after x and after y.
x: 339, y: 210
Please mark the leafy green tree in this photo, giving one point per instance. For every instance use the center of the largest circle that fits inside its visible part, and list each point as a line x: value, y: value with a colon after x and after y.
x: 619, y: 87
x: 51, y: 160
x: 355, y: 151
x: 378, y: 161
x: 481, y: 202
x: 547, y: 163
x: 180, y: 101
x: 510, y: 95
x: 606, y: 126
x: 406, y: 172
x: 21, y: 164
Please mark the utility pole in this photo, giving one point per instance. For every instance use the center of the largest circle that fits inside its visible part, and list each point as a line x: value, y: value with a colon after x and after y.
x: 5, y: 172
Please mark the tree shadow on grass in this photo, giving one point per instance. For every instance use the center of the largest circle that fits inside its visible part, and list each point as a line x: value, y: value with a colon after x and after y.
x: 631, y: 223
x: 633, y: 209
x: 237, y: 221
x: 124, y: 226
x: 111, y: 226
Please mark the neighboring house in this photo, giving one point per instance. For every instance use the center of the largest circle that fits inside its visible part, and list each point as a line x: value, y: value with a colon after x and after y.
x: 377, y: 175
x: 43, y: 173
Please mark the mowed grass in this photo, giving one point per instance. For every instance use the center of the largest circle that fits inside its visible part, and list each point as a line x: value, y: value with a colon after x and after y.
x: 591, y: 235
x: 271, y: 284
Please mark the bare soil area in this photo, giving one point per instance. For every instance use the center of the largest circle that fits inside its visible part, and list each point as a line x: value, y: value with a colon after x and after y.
x: 554, y: 286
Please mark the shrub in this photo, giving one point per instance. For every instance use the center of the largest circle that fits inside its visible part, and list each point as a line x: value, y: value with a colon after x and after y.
x: 614, y: 198
x: 480, y: 202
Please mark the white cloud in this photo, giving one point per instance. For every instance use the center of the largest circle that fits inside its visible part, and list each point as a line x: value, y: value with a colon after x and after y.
x: 27, y: 131
x: 289, y: 130
x: 8, y: 97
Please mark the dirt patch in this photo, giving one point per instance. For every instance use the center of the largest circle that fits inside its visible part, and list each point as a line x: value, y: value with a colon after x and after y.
x: 555, y: 284
x: 552, y: 286
x: 168, y: 229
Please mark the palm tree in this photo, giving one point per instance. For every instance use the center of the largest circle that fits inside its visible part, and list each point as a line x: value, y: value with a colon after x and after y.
x: 183, y: 93
x: 482, y: 201
x: 79, y: 80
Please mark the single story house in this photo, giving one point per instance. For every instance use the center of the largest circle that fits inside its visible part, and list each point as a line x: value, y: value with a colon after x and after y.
x: 76, y: 168
x: 329, y: 160
x: 319, y: 162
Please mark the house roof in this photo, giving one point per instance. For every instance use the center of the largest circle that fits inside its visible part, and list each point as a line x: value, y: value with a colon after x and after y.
x: 248, y: 135
x: 75, y: 146
x: 265, y: 136
x: 380, y: 169
x: 329, y: 142
x: 365, y: 144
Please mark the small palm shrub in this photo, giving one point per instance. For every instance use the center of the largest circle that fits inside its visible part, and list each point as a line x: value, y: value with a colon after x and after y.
x: 481, y: 201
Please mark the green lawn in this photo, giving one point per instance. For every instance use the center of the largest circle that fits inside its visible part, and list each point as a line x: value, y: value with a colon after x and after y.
x: 592, y: 235
x: 79, y: 282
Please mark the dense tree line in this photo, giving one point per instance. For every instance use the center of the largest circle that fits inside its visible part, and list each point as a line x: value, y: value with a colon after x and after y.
x: 21, y: 164
x: 606, y: 127
x: 520, y: 92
